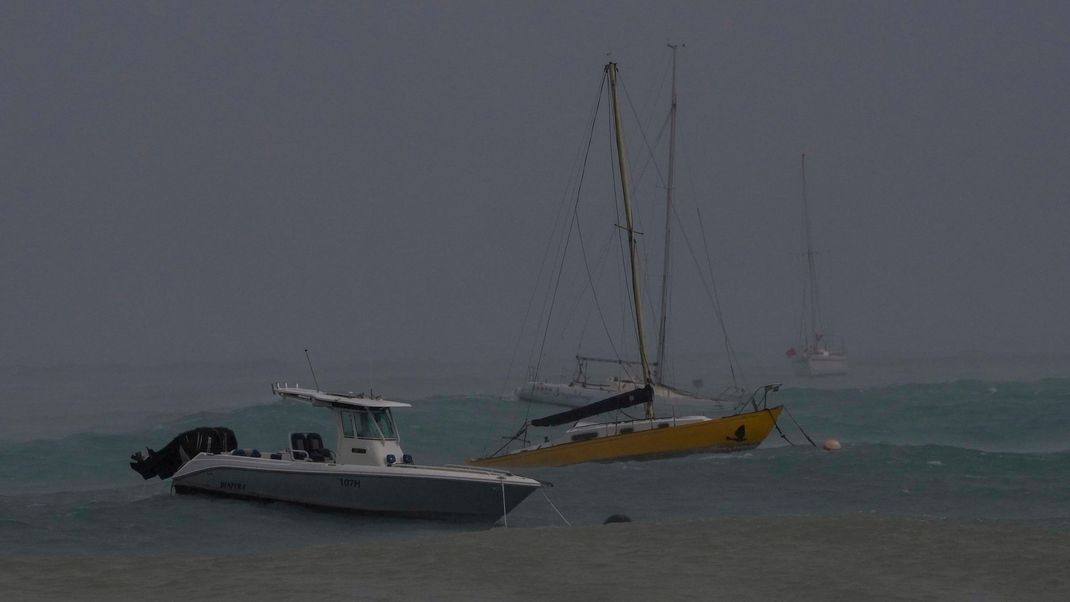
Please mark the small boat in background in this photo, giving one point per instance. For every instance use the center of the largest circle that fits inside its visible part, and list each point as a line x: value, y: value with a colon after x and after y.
x: 817, y: 353
x: 582, y: 390
x: 366, y: 471
x: 820, y: 358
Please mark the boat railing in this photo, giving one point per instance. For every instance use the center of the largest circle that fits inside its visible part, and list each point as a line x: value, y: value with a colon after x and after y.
x: 496, y: 471
x: 459, y: 468
x: 477, y: 469
x: 762, y: 402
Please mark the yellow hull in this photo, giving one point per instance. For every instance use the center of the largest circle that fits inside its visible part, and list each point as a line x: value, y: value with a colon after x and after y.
x: 717, y: 435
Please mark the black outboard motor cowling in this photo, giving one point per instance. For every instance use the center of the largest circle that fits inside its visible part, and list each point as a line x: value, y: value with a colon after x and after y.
x: 167, y: 461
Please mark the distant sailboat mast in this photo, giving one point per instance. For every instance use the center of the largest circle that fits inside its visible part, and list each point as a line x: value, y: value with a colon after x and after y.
x: 814, y: 301
x: 663, y: 320
x: 622, y: 162
x: 822, y: 354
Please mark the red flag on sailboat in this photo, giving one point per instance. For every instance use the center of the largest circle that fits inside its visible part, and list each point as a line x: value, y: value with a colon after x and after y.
x: 791, y: 352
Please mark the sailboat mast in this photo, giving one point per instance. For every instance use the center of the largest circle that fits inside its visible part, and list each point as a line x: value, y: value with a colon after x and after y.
x: 815, y: 311
x: 663, y: 319
x: 622, y: 162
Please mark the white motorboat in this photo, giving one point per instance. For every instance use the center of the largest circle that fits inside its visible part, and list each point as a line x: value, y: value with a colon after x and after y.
x: 366, y: 471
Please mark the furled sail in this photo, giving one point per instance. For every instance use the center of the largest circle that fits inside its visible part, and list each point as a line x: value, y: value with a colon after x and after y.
x: 617, y: 402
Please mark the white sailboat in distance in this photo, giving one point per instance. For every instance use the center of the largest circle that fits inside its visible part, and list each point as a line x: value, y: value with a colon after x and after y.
x: 817, y: 353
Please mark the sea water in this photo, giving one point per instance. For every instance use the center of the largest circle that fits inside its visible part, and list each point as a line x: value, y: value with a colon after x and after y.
x: 990, y: 442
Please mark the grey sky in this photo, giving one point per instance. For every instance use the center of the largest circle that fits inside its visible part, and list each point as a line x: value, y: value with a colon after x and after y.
x: 242, y: 180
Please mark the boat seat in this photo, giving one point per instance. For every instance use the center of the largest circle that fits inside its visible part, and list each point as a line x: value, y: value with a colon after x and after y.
x: 298, y: 442
x: 316, y: 451
x: 299, y: 446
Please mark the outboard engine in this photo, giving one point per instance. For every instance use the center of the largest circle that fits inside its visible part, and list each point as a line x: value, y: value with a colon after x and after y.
x: 167, y: 461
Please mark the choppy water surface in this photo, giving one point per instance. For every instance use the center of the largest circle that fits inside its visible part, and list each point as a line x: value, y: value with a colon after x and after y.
x: 993, y: 450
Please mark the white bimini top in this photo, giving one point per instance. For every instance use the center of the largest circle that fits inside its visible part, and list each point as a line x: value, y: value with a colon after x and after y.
x: 320, y: 398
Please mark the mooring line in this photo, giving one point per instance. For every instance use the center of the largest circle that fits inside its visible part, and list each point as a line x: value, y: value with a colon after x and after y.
x: 505, y: 511
x: 799, y: 427
x: 554, y: 506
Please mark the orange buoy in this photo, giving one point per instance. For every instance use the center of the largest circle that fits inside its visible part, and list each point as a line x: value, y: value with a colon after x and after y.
x: 830, y: 445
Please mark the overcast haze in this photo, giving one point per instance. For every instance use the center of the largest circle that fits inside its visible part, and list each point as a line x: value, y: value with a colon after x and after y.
x: 230, y: 181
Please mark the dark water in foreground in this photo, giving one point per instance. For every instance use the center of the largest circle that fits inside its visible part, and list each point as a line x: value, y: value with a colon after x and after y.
x: 856, y: 557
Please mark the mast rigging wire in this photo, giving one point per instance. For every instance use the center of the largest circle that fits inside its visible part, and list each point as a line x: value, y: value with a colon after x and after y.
x: 568, y: 238
x: 652, y: 160
x: 717, y: 303
x: 734, y: 365
x: 542, y: 264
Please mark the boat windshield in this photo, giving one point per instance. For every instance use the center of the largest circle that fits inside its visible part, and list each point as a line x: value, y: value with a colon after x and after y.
x: 385, y: 421
x: 373, y: 423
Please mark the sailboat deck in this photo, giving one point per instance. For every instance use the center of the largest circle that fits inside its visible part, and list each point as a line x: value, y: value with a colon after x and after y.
x: 648, y: 439
x: 583, y: 431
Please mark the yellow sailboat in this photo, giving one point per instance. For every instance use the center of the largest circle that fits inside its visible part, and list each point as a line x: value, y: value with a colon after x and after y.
x: 649, y: 436
x: 643, y: 439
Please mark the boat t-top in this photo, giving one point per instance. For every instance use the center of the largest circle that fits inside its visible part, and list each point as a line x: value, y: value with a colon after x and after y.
x: 366, y: 470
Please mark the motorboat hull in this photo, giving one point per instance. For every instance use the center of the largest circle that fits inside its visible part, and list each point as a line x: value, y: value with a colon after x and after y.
x: 403, y: 490
x: 728, y: 434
